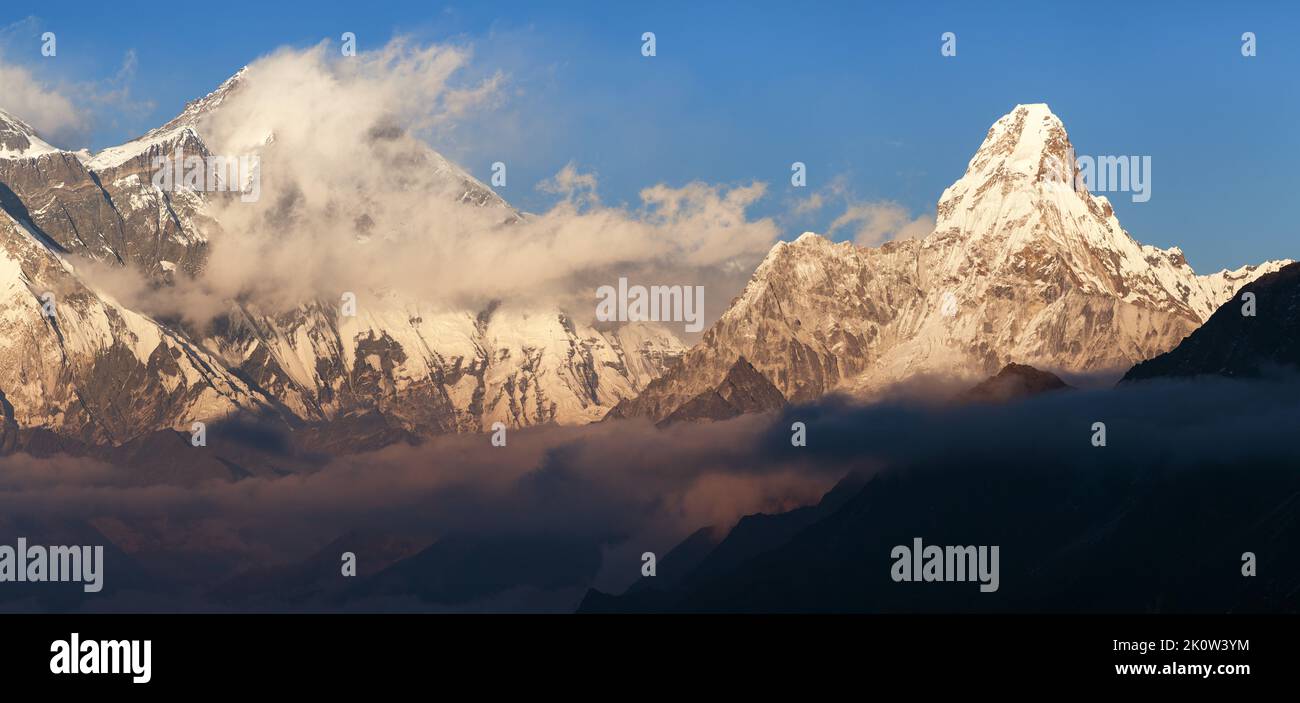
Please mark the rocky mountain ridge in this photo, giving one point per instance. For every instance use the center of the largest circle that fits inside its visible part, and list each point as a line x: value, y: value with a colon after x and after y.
x: 1022, y: 265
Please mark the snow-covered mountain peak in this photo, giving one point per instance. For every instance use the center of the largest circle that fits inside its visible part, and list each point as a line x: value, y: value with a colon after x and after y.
x: 18, y: 140
x: 184, y: 128
x: 1028, y: 141
x: 1025, y: 158
x: 810, y: 257
x: 399, y: 368
x: 1020, y: 211
x: 1023, y: 265
x: 196, y: 110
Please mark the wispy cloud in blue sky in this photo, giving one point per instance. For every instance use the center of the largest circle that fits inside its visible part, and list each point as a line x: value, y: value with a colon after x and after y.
x: 740, y: 90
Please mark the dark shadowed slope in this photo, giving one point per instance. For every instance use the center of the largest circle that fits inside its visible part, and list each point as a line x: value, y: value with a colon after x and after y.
x: 1012, y: 382
x: 709, y: 557
x: 1195, y: 473
x: 1068, y: 543
x: 1234, y: 343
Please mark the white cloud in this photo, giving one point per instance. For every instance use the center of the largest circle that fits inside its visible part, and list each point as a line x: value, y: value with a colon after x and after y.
x: 353, y: 199
x: 63, y: 112
x: 879, y: 222
x: 52, y: 114
x: 871, y: 223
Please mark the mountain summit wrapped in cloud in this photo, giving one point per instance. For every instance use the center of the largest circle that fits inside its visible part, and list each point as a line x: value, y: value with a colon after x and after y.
x: 93, y: 369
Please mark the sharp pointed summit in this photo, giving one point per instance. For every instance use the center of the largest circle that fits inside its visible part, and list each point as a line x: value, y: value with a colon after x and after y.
x: 1028, y: 141
x: 196, y: 110
x: 1022, y: 265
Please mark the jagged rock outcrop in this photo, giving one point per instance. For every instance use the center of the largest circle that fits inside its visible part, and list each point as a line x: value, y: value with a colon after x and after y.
x: 1013, y: 382
x: 743, y: 390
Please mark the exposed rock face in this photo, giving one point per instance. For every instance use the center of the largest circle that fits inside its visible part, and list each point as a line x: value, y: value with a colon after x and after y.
x: 1012, y: 382
x: 19, y: 141
x: 1021, y: 265
x: 1232, y: 343
x: 77, y: 362
x: 104, y: 374
x: 743, y: 390
x: 108, y: 209
x: 8, y: 427
x: 438, y: 371
x: 167, y: 229
x: 813, y: 315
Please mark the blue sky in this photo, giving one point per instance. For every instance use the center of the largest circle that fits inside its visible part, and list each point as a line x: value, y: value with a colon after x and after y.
x: 738, y: 91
